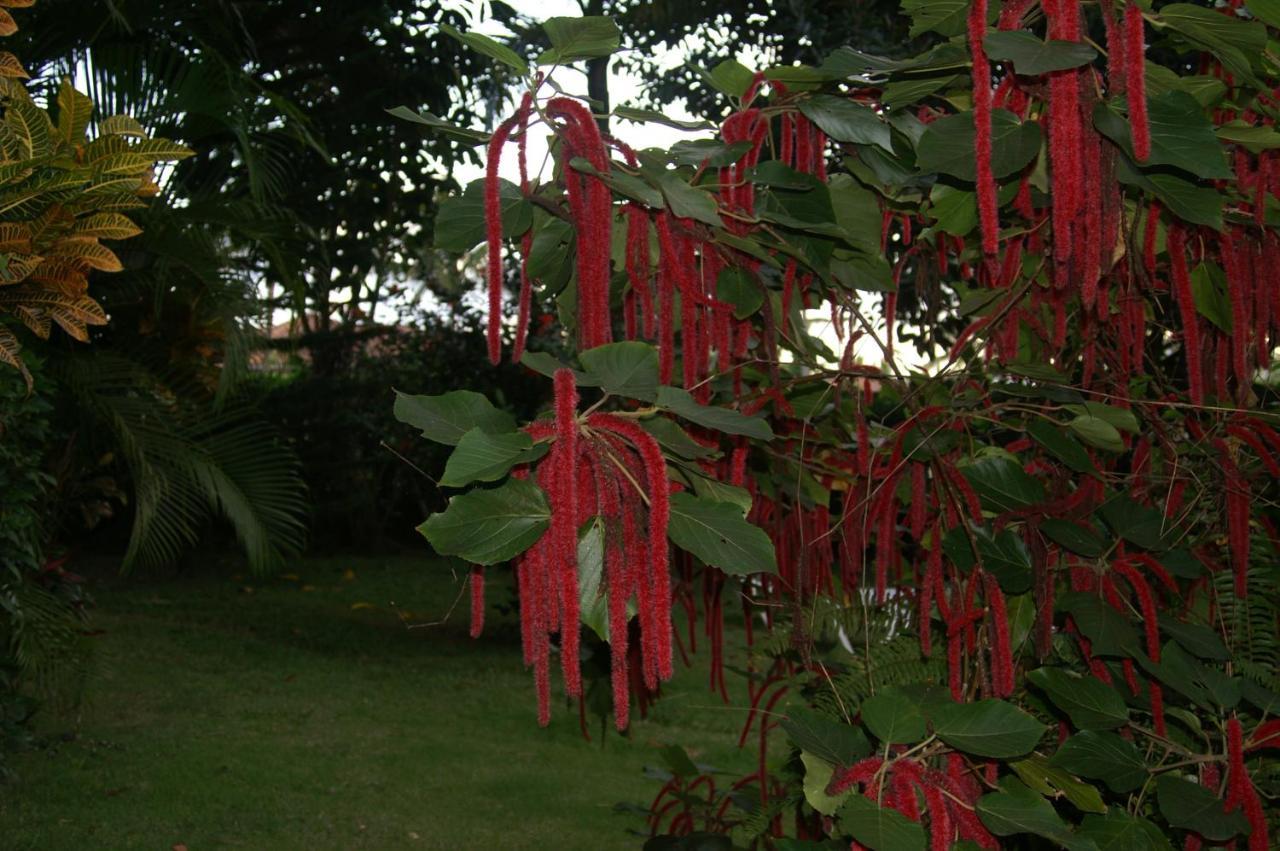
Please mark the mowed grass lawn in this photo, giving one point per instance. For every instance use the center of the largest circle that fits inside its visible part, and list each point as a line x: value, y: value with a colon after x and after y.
x: 303, y: 713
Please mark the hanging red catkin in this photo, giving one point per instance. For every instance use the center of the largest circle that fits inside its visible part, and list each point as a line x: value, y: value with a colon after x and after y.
x: 564, y: 524
x: 656, y: 621
x: 1187, y: 310
x: 493, y: 232
x: 1135, y: 81
x: 986, y: 184
x: 477, y: 601
x: 1001, y: 650
x: 591, y: 206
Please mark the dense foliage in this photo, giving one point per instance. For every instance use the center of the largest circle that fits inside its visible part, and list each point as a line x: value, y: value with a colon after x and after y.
x: 1023, y: 593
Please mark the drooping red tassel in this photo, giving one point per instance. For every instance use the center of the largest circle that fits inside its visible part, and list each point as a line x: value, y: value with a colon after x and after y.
x: 564, y: 522
x: 591, y: 206
x: 477, y: 601
x: 1001, y: 651
x: 1135, y: 81
x: 493, y: 233
x: 986, y: 183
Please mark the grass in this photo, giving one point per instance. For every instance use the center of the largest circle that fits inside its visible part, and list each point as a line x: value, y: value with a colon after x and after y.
x: 304, y: 713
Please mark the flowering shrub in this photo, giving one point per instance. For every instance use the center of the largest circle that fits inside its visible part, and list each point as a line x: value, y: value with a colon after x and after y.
x: 1025, y: 593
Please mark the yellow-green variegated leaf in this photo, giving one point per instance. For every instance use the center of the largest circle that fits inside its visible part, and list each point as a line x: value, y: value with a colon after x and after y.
x: 74, y: 111
x: 91, y: 253
x: 9, y: 354
x: 107, y: 226
x: 121, y: 125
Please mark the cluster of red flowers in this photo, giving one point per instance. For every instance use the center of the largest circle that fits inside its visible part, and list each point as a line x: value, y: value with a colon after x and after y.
x: 606, y: 470
x: 949, y: 796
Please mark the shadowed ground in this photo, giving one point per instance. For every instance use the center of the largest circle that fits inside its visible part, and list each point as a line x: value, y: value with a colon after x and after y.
x: 302, y: 713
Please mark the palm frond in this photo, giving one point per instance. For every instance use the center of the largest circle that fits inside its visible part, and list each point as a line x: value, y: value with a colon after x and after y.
x: 191, y: 464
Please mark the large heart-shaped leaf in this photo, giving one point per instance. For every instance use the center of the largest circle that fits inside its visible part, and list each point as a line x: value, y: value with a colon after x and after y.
x: 1031, y: 56
x: 991, y: 728
x: 717, y: 533
x: 947, y: 145
x: 1090, y: 703
x: 484, y: 457
x: 880, y: 828
x: 1102, y: 756
x: 447, y: 417
x: 1191, y: 806
x: 490, y: 525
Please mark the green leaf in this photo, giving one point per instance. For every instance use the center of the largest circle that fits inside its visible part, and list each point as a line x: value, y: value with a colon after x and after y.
x: 740, y: 287
x: 1119, y: 831
x: 1189, y: 805
x: 947, y: 145
x: 622, y: 183
x: 880, y: 828
x: 550, y: 247
x: 1267, y: 11
x: 1002, y: 485
x: 894, y: 718
x: 817, y: 775
x: 460, y: 224
x: 955, y: 211
x: 1121, y: 418
x: 1097, y: 432
x: 1061, y: 445
x: 1052, y: 782
x: 483, y: 44
x: 1033, y: 57
x: 1109, y: 633
x: 1192, y: 203
x: 1198, y: 640
x: 838, y: 743
x: 678, y: 761
x: 490, y: 525
x: 689, y: 203
x: 1003, y: 554
x: 588, y: 37
x: 1254, y: 139
x: 472, y: 137
x: 649, y: 116
x: 1238, y: 44
x: 731, y: 77
x: 857, y: 212
x: 593, y: 605
x: 1209, y: 290
x: 1016, y: 809
x: 900, y: 93
x: 628, y: 368
x: 945, y: 17
x: 1136, y: 523
x: 446, y: 418
x: 484, y: 457
x: 1102, y: 756
x: 710, y: 153
x: 718, y: 534
x: 1090, y: 703
x: 991, y: 728
x: 674, y: 439
x: 1073, y: 536
x: 846, y: 121
x: 682, y: 404
x: 1181, y: 135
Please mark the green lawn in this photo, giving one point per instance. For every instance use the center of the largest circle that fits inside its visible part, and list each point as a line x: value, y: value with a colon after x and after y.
x: 303, y: 713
